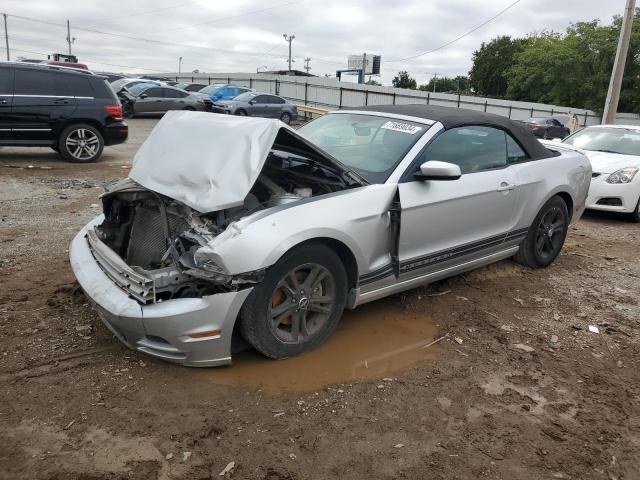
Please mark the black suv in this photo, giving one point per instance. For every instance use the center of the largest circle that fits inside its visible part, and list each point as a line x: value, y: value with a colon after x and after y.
x: 72, y: 111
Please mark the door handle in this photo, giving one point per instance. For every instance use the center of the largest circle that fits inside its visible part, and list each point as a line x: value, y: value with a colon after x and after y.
x: 506, y: 187
x: 61, y: 100
x: 3, y: 101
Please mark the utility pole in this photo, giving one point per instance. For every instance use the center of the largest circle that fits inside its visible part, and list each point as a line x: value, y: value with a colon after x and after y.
x: 179, y: 65
x: 69, y: 37
x: 306, y: 64
x: 289, y: 39
x: 6, y: 35
x: 613, y: 94
x: 435, y: 77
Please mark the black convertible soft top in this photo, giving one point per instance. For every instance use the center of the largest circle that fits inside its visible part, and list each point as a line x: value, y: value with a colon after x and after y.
x: 459, y: 117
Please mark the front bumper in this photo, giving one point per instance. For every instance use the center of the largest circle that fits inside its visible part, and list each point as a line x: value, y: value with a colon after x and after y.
x: 159, y: 329
x: 613, y: 197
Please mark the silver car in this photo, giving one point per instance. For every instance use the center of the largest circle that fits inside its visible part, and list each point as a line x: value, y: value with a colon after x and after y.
x: 256, y: 104
x: 242, y: 226
x: 151, y: 99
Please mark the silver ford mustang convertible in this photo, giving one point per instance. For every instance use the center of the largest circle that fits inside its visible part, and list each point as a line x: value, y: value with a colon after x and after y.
x: 233, y: 227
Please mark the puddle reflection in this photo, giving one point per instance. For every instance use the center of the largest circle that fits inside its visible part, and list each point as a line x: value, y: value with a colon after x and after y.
x: 373, y: 341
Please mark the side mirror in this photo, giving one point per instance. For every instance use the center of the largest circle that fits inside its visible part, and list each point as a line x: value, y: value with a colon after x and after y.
x: 143, y: 95
x: 436, y: 170
x: 252, y: 102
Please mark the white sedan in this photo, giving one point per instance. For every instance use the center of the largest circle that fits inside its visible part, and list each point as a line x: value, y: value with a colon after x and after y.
x: 614, y: 152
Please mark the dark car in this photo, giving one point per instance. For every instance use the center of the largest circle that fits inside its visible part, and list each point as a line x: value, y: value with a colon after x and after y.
x: 152, y: 99
x: 191, y: 87
x: 256, y: 104
x: 75, y: 112
x: 547, y: 127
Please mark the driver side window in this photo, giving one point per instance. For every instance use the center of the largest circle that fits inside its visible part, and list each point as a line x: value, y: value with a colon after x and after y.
x: 472, y: 148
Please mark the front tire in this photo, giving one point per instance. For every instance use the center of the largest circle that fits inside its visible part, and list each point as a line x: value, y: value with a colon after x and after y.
x: 546, y: 235
x: 80, y: 143
x: 241, y: 113
x: 297, y: 305
x: 635, y: 216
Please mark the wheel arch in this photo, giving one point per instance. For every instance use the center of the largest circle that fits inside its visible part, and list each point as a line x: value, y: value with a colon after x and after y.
x: 79, y: 121
x: 568, y: 200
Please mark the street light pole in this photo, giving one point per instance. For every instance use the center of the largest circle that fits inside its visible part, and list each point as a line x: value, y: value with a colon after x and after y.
x: 289, y: 39
x: 6, y: 35
x: 613, y: 94
x: 69, y: 37
x: 179, y: 65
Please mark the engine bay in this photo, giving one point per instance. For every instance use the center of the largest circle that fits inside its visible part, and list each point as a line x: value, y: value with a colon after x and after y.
x: 160, y: 238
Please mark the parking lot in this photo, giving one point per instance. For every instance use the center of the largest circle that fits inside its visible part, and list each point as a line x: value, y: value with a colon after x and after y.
x: 492, y: 374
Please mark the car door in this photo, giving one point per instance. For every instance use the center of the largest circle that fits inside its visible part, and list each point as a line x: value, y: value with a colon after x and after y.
x: 446, y: 223
x: 275, y: 106
x: 258, y: 107
x: 175, y: 99
x: 150, y: 101
x: 42, y: 102
x: 557, y: 129
x: 6, y: 100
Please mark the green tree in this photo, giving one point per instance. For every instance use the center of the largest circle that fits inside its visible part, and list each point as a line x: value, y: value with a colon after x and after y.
x: 403, y: 80
x: 574, y: 68
x: 371, y: 81
x: 490, y: 64
x: 458, y: 84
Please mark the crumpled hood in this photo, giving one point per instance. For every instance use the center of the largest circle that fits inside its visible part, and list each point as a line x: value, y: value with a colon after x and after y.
x: 204, y: 160
x: 605, y: 162
x: 210, y: 161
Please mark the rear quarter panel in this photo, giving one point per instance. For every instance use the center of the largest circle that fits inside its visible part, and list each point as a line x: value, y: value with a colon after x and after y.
x: 539, y: 180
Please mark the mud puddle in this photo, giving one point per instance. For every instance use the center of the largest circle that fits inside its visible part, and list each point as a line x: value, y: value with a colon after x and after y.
x: 373, y: 341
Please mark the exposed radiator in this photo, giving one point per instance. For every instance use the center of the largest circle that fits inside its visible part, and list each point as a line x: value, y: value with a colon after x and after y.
x: 147, y: 242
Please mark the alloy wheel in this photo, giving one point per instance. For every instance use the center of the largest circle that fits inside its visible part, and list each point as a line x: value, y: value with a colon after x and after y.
x: 549, y: 238
x: 82, y: 144
x: 302, y: 303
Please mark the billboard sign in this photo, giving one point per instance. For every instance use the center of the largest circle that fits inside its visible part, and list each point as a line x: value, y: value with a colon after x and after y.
x: 371, y: 63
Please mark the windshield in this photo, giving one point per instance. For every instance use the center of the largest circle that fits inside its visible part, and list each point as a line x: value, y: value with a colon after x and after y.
x: 245, y: 97
x: 210, y: 89
x: 371, y: 146
x: 536, y: 120
x: 118, y: 84
x: 614, y: 140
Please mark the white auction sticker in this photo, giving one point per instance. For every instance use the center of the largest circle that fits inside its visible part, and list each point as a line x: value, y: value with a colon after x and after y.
x: 401, y: 127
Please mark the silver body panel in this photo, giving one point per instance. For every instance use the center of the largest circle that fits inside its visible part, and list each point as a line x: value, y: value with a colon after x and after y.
x: 446, y: 227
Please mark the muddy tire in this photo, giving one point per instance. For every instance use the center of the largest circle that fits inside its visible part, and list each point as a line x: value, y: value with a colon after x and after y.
x: 298, y: 305
x: 80, y: 143
x: 546, y: 235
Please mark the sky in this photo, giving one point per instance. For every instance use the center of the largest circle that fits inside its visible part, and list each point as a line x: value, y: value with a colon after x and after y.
x: 244, y: 35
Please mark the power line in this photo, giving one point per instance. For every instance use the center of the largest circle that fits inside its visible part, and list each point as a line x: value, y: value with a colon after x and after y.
x: 139, y: 39
x: 458, y: 38
x: 149, y: 12
x: 223, y: 19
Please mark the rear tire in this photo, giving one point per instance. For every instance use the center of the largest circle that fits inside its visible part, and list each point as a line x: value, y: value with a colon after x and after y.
x: 285, y: 117
x: 297, y: 305
x: 546, y: 236
x: 241, y: 113
x: 80, y: 143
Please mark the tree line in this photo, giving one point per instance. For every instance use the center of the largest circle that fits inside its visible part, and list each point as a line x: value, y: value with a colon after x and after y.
x: 571, y: 68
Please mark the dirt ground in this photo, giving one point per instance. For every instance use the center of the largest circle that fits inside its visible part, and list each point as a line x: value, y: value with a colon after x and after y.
x: 518, y: 388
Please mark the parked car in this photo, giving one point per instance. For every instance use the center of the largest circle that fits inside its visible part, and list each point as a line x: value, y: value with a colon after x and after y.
x: 221, y: 91
x: 547, y: 128
x: 254, y: 104
x: 118, y: 85
x: 191, y: 87
x: 614, y: 152
x: 241, y: 225
x: 72, y: 111
x: 148, y: 98
x: 111, y: 77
